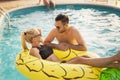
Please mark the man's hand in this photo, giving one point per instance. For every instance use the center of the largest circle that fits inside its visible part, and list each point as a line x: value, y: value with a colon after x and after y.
x: 63, y: 46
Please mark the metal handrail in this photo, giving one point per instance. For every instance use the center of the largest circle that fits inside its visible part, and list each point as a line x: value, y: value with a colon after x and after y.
x: 2, y: 12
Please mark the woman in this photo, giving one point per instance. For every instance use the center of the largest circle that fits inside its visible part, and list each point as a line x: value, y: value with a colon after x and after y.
x: 33, y: 36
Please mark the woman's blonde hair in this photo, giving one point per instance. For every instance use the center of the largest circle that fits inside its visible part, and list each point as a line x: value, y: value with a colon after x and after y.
x: 27, y: 36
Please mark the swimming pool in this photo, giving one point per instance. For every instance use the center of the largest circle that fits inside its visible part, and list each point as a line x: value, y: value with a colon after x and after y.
x: 99, y: 25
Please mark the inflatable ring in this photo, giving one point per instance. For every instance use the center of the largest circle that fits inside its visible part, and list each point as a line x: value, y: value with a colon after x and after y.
x: 39, y: 69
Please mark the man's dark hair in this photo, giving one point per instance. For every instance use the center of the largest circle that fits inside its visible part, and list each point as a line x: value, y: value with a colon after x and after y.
x: 63, y: 18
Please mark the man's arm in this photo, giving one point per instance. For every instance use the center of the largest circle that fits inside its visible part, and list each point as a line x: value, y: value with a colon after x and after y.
x: 50, y: 38
x: 79, y: 47
x: 81, y: 44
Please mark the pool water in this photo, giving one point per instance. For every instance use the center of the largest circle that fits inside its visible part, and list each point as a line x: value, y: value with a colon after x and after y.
x: 99, y: 26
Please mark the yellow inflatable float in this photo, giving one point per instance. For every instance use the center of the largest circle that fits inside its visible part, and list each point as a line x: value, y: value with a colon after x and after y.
x: 39, y: 69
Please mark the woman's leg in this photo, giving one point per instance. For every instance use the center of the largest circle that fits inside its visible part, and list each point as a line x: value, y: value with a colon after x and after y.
x: 98, y: 62
x: 47, y: 4
x: 39, y: 1
x: 53, y: 4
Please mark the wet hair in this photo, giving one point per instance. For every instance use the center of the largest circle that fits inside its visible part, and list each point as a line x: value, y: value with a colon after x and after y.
x: 27, y: 36
x: 63, y: 18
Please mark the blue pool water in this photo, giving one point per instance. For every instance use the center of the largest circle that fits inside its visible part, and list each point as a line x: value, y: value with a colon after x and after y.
x: 99, y: 26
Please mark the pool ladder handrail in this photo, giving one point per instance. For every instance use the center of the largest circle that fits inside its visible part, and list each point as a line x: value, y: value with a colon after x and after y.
x: 2, y: 12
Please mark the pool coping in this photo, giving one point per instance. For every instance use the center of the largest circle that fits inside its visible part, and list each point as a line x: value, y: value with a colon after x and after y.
x: 110, y: 6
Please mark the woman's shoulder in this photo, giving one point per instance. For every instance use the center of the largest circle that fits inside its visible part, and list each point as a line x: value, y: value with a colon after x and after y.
x: 33, y: 50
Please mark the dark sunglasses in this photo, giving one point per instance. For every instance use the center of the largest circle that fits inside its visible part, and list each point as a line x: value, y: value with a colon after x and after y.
x: 37, y: 35
x: 57, y: 27
x: 33, y: 36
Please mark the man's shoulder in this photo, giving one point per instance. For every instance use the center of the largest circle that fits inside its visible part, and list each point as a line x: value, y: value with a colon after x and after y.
x: 54, y: 30
x: 73, y: 28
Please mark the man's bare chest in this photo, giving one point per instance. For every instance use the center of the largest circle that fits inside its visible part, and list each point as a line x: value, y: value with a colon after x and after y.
x: 65, y: 38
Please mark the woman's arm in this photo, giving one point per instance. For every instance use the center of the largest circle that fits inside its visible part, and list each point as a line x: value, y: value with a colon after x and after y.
x: 35, y: 52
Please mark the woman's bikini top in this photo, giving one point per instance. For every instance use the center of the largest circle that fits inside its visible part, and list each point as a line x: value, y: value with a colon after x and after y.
x: 44, y: 51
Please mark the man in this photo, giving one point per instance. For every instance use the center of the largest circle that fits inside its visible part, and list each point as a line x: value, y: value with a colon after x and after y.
x: 66, y: 35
